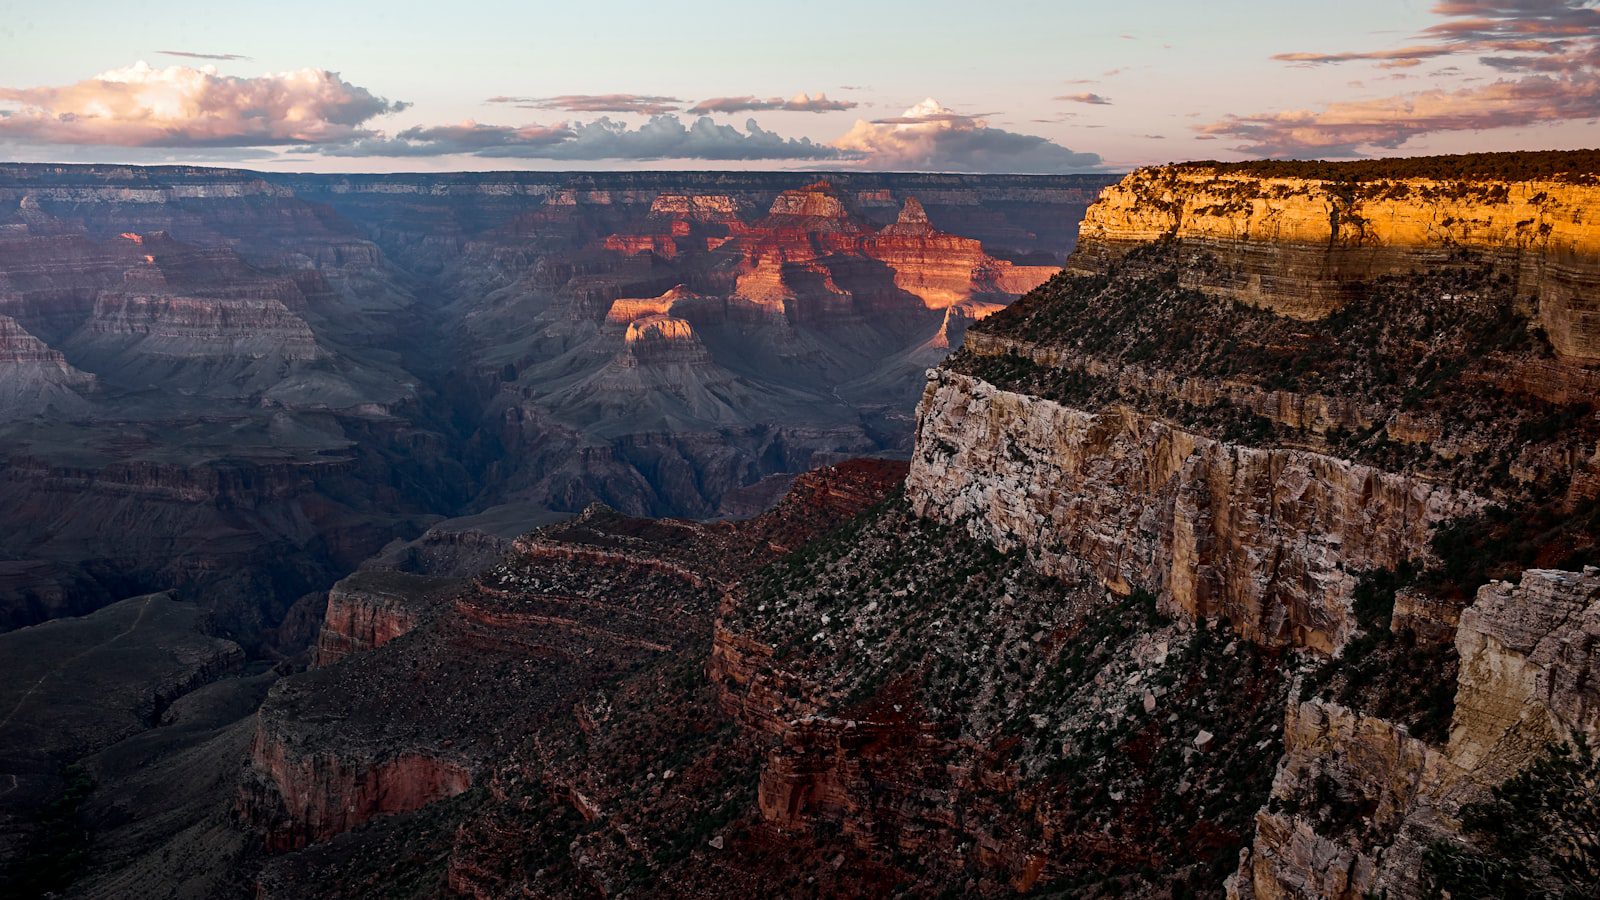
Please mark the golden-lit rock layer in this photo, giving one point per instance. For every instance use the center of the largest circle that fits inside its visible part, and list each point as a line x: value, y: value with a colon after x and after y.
x: 1297, y: 246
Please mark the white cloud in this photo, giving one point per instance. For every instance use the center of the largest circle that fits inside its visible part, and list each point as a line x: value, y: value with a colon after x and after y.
x: 930, y: 136
x: 663, y: 137
x: 183, y: 106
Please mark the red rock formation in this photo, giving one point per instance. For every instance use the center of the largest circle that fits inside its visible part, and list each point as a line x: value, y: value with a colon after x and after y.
x: 299, y: 798
x: 625, y: 310
x: 371, y: 608
x: 943, y: 269
x: 412, y: 721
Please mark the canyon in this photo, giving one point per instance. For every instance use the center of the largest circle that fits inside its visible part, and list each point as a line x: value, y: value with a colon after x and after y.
x: 231, y: 389
x: 241, y: 385
x: 1250, y: 555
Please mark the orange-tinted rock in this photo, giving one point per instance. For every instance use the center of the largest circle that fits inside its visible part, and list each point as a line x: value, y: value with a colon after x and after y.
x: 1296, y: 245
x: 299, y: 798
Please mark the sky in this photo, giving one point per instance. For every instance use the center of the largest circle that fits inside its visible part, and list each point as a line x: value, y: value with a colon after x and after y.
x: 993, y: 86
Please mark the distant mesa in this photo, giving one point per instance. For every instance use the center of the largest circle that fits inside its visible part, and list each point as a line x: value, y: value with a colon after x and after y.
x: 697, y: 207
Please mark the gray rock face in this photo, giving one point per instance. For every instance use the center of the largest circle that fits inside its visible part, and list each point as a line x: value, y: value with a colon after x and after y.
x: 1528, y: 667
x: 1268, y: 538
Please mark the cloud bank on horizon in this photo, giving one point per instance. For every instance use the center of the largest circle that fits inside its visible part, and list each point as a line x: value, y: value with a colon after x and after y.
x: 184, y: 107
x: 317, y: 112
x: 1548, y: 52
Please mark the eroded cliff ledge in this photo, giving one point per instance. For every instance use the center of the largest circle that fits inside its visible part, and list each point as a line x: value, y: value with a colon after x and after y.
x: 1268, y: 538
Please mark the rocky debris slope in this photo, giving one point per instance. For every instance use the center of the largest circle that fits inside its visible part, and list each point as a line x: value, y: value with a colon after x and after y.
x: 952, y: 714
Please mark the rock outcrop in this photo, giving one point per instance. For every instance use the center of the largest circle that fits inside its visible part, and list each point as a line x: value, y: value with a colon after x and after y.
x: 942, y: 269
x: 438, y: 683
x: 36, y: 379
x: 1266, y: 538
x: 1357, y: 801
x: 371, y: 608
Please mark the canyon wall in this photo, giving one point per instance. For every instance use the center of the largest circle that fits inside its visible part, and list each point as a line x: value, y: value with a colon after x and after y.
x: 241, y: 384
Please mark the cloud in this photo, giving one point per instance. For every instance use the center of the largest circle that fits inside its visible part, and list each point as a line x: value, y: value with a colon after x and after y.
x: 1402, y: 54
x: 1086, y: 97
x: 663, y: 137
x: 645, y: 104
x: 222, y: 57
x: 181, y: 106
x: 931, y: 137
x: 798, y: 103
x: 1342, y: 129
x: 927, y: 137
x: 1550, y: 47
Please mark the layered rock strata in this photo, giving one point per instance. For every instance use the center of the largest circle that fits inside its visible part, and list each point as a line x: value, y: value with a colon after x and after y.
x: 1300, y: 245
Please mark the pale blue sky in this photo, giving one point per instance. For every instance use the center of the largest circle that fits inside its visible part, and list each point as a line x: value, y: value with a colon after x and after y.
x: 1165, y: 67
